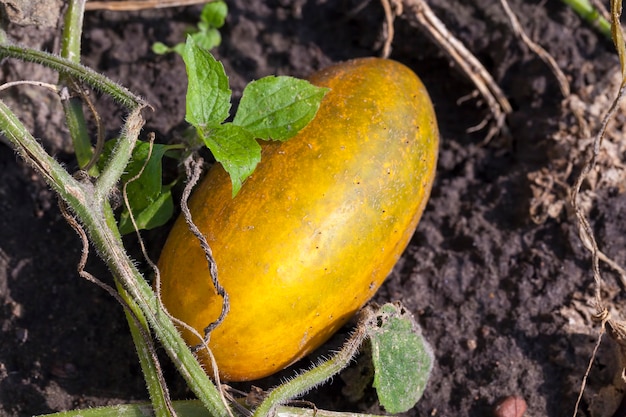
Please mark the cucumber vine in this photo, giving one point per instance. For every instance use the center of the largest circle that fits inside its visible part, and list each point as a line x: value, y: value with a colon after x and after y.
x: 272, y: 108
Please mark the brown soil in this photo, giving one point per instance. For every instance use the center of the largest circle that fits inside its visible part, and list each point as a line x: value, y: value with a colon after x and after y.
x: 501, y: 298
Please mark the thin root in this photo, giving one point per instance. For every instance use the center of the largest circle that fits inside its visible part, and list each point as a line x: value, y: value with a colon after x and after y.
x: 193, y: 169
x: 421, y: 16
x: 537, y: 49
x: 390, y: 16
x: 616, y: 328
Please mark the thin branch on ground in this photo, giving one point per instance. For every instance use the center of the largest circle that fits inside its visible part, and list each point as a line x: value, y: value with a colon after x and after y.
x: 583, y: 384
x: 390, y: 16
x: 132, y: 5
x: 585, y: 230
x: 537, y: 49
x: 615, y: 328
x: 420, y: 15
x: 52, y: 87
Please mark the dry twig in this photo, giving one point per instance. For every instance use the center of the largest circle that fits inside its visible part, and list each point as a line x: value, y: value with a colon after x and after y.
x: 390, y: 16
x: 616, y: 328
x: 420, y: 15
x: 537, y: 49
x: 131, y: 5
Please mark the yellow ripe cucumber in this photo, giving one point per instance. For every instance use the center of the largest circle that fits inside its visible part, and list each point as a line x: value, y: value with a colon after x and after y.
x: 315, y: 230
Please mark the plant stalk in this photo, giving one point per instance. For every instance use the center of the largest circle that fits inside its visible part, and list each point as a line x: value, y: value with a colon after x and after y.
x: 90, y: 207
x: 73, y: 106
x: 587, y: 12
x: 124, y: 269
x: 193, y: 408
x: 75, y: 70
x: 159, y: 396
x: 321, y: 373
x: 68, y: 188
x: 72, y: 30
x: 75, y: 119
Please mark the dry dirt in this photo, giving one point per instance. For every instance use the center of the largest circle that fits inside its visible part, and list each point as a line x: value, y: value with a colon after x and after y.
x: 501, y: 298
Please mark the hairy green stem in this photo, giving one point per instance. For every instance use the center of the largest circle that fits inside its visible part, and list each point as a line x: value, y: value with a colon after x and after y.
x: 75, y: 70
x: 586, y: 11
x: 193, y: 408
x: 72, y: 106
x: 59, y: 179
x: 122, y: 152
x: 140, y: 332
x: 159, y: 396
x: 123, y: 268
x: 92, y: 209
x: 75, y: 120
x: 90, y: 205
x: 72, y: 30
x: 321, y: 373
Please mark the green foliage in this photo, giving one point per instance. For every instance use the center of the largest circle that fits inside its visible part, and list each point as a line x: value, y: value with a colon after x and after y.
x: 208, y: 93
x: 236, y: 149
x: 271, y: 108
x: 402, y: 359
x: 586, y: 10
x: 206, y: 34
x: 150, y: 201
x: 277, y: 107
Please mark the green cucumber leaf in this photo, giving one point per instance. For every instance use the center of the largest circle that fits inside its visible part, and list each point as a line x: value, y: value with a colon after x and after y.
x: 402, y: 359
x: 236, y: 149
x: 270, y: 108
x: 208, y: 93
x: 147, y: 197
x: 214, y: 14
x: 146, y: 189
x: 156, y: 214
x: 278, y: 107
x: 207, y: 39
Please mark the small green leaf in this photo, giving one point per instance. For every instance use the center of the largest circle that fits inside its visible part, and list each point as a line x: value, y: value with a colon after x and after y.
x: 402, y: 359
x: 144, y: 190
x: 208, y: 93
x: 278, y: 107
x: 156, y: 214
x: 146, y: 195
x: 160, y: 48
x: 236, y: 149
x: 207, y: 39
x: 179, y: 48
x: 214, y: 14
